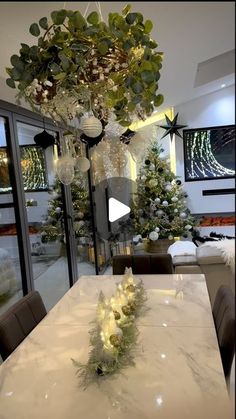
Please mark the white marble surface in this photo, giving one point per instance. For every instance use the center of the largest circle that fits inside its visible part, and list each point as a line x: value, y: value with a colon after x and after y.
x: 178, y: 372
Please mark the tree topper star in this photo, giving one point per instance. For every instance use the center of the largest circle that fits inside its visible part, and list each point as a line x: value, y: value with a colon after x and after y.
x: 171, y: 127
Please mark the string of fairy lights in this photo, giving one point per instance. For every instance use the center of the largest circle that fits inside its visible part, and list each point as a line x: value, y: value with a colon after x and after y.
x: 202, y: 160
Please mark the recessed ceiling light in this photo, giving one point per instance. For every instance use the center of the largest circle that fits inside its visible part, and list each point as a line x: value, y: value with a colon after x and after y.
x: 223, y: 85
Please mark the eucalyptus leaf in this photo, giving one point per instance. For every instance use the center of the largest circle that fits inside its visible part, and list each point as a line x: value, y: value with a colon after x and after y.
x: 11, y: 83
x: 147, y: 76
x: 14, y: 59
x: 130, y: 18
x: 60, y: 76
x: 34, y: 29
x: 43, y: 22
x: 55, y: 68
x: 58, y: 16
x: 103, y: 48
x: 137, y: 87
x: 93, y: 18
x: 148, y: 25
x: 126, y: 9
x: 15, y: 74
x: 78, y: 20
x: 159, y: 99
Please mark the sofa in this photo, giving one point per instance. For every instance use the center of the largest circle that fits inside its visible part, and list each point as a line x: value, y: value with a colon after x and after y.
x: 205, y: 259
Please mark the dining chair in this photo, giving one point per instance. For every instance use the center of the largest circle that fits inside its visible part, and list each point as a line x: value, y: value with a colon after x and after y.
x: 143, y: 264
x: 18, y: 321
x: 224, y: 318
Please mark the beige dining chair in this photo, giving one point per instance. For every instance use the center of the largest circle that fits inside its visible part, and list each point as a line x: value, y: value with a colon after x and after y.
x: 18, y: 321
x: 224, y: 318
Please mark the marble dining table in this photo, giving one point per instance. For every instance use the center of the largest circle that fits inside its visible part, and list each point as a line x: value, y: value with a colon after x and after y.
x: 177, y: 374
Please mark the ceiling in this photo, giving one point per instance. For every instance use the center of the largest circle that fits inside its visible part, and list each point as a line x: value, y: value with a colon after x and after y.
x: 189, y: 34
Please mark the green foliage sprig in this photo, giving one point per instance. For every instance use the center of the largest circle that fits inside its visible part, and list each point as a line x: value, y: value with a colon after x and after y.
x: 98, y: 66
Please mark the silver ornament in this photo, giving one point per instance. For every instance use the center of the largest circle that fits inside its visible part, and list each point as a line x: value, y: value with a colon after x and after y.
x: 153, y: 236
x: 183, y: 215
x: 165, y: 204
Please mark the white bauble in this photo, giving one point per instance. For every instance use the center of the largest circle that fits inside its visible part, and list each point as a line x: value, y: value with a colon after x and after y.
x: 165, y: 204
x: 183, y: 215
x: 58, y: 210
x: 152, y: 183
x: 91, y: 127
x: 157, y: 229
x: 157, y: 200
x: 83, y: 164
x: 174, y: 199
x: 65, y: 168
x: 170, y: 237
x: 80, y: 215
x: 152, y: 167
x: 162, y: 156
x: 153, y: 236
x: 188, y: 227
x: 159, y: 213
x: 176, y: 210
x: 168, y: 188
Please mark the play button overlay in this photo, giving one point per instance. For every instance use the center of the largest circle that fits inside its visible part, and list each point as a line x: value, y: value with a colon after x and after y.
x: 117, y: 210
x: 113, y: 200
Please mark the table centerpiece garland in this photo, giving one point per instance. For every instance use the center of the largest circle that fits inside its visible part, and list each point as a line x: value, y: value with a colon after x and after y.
x: 113, y: 338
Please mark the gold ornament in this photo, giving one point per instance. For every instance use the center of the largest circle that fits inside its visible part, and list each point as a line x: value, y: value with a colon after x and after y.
x: 132, y: 306
x: 116, y: 315
x: 127, y: 310
x: 130, y: 288
x: 116, y: 340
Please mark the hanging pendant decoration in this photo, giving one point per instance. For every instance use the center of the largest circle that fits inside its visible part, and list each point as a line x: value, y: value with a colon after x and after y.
x: 65, y: 168
x: 81, y: 65
x: 172, y: 127
x: 44, y: 139
x: 83, y: 164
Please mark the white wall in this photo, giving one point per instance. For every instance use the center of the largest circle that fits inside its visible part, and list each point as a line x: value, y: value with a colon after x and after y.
x: 214, y: 109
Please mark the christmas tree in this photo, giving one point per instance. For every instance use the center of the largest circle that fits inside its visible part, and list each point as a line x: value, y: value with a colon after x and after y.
x: 159, y: 210
x: 52, y: 228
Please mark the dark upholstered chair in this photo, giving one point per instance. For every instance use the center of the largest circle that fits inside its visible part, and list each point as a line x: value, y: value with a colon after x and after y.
x: 143, y: 264
x: 18, y: 321
x: 224, y: 318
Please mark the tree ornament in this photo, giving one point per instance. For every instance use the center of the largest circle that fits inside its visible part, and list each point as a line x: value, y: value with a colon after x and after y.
x: 170, y: 237
x: 178, y: 182
x: 83, y: 164
x: 65, y: 169
x: 174, y: 199
x: 183, y: 215
x: 91, y: 127
x: 147, y: 162
x: 44, y: 139
x: 80, y: 215
x: 116, y: 340
x: 153, y: 236
x: 152, y: 183
x: 176, y: 210
x: 157, y: 200
x: 157, y: 229
x: 159, y: 212
x: 127, y: 310
x: 152, y: 167
x: 172, y: 127
x: 160, y: 170
x: 168, y: 188
x: 188, y: 227
x: 165, y: 204
x: 58, y: 210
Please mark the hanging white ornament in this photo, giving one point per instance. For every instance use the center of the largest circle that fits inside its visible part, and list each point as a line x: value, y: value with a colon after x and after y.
x: 157, y: 200
x: 183, y: 215
x: 174, y: 199
x: 157, y: 229
x: 188, y: 227
x: 176, y: 210
x: 162, y: 156
x: 80, y: 215
x: 165, y: 204
x: 65, y: 169
x: 83, y: 164
x: 91, y: 127
x: 153, y: 236
x: 170, y: 237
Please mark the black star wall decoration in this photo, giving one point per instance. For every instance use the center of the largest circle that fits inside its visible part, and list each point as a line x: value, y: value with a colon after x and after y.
x: 172, y: 127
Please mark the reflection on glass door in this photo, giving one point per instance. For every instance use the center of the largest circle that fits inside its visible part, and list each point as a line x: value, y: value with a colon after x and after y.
x: 10, y: 272
x: 43, y: 198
